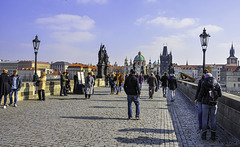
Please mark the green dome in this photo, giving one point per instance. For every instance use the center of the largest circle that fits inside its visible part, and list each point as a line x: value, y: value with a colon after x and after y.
x: 139, y: 57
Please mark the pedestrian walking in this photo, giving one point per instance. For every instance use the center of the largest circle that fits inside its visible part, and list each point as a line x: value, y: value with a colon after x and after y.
x: 112, y: 83
x: 5, y: 87
x: 89, y: 85
x: 68, y: 86
x: 158, y: 81
x: 16, y: 82
x: 63, y: 84
x: 172, y: 85
x: 198, y: 102
x: 131, y: 88
x: 209, y: 94
x: 164, y: 81
x: 42, y: 86
x: 141, y: 79
x: 152, y: 82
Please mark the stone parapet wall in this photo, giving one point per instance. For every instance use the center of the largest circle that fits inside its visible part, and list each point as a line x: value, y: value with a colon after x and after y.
x: 228, y: 111
x: 28, y: 90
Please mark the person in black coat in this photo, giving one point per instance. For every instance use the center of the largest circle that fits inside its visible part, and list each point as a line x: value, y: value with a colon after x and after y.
x: 172, y: 85
x: 164, y: 81
x: 199, y: 101
x: 208, y: 95
x: 5, y: 86
x: 131, y: 87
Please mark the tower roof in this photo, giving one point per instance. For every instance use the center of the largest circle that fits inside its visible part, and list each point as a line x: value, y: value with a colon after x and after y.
x: 232, y: 51
x: 139, y: 57
x: 165, y: 52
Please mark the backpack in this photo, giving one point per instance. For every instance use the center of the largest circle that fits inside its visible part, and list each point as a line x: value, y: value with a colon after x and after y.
x: 213, y: 96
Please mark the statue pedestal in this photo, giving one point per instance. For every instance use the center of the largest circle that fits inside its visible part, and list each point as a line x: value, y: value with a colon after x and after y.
x: 100, y: 82
x: 101, y: 71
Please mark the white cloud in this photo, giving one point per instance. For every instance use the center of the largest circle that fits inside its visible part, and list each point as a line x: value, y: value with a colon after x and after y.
x: 92, y: 1
x: 72, y: 37
x: 209, y: 29
x: 141, y: 20
x: 66, y: 22
x: 173, y: 22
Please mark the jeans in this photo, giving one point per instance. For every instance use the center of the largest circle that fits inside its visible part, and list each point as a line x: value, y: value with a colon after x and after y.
x: 158, y: 85
x: 172, y: 94
x: 140, y: 86
x: 200, y: 114
x: 5, y: 100
x: 151, y: 91
x: 211, y: 110
x: 63, y: 90
x: 41, y: 94
x: 164, y: 90
x: 135, y: 99
x: 15, y: 91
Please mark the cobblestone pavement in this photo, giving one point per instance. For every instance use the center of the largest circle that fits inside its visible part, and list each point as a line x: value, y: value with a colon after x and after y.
x: 102, y: 121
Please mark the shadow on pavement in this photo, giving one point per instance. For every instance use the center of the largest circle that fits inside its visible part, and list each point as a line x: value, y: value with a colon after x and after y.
x: 144, y: 140
x: 92, y: 117
x: 67, y: 99
x: 102, y: 107
x: 147, y: 130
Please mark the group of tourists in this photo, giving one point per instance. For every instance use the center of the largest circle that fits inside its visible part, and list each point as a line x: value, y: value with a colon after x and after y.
x: 9, y: 85
x: 207, y: 95
x: 133, y: 86
x: 115, y: 81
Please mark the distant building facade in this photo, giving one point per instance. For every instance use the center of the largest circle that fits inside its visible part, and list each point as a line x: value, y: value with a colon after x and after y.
x: 9, y: 65
x: 60, y: 66
x: 139, y: 64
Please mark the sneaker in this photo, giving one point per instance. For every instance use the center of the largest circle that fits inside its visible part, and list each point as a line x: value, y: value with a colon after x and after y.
x: 9, y: 104
x: 138, y: 118
x: 15, y: 105
x: 4, y: 107
x: 204, y: 135
x: 129, y: 118
x: 213, y: 136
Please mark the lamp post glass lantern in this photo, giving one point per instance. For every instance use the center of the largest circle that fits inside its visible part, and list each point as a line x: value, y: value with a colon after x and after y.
x: 204, y: 37
x: 36, y: 44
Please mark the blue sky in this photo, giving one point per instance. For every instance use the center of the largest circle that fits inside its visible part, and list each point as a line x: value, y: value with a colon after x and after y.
x: 72, y: 30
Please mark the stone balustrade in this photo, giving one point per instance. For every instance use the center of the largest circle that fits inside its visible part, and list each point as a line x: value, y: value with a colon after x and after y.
x: 228, y: 111
x: 28, y: 90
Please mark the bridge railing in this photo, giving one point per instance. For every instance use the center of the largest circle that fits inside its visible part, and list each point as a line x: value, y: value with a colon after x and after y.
x: 228, y: 111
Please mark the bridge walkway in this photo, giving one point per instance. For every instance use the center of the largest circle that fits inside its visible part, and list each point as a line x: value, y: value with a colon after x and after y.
x: 102, y: 121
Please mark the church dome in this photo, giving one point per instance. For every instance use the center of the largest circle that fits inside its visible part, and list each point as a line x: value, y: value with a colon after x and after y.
x: 139, y: 57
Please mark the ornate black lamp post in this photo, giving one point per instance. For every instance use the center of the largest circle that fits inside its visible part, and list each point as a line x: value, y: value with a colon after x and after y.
x: 204, y: 42
x: 36, y: 44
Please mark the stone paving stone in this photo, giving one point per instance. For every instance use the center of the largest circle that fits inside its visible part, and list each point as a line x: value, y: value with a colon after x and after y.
x: 102, y: 121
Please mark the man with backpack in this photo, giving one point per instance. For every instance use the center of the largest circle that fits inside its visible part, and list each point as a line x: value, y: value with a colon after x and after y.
x: 209, y: 93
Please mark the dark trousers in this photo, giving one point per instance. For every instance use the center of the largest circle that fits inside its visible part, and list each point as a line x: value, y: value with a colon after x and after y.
x: 151, y: 91
x: 41, y: 94
x: 63, y: 90
x: 87, y: 96
x: 5, y: 100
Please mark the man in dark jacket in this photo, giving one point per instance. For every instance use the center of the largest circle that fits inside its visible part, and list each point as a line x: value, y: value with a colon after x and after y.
x: 5, y: 87
x: 16, y: 81
x: 152, y: 82
x: 131, y: 87
x: 199, y: 102
x: 209, y: 93
x: 63, y: 84
x: 158, y: 80
x: 172, y: 85
x: 164, y: 81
